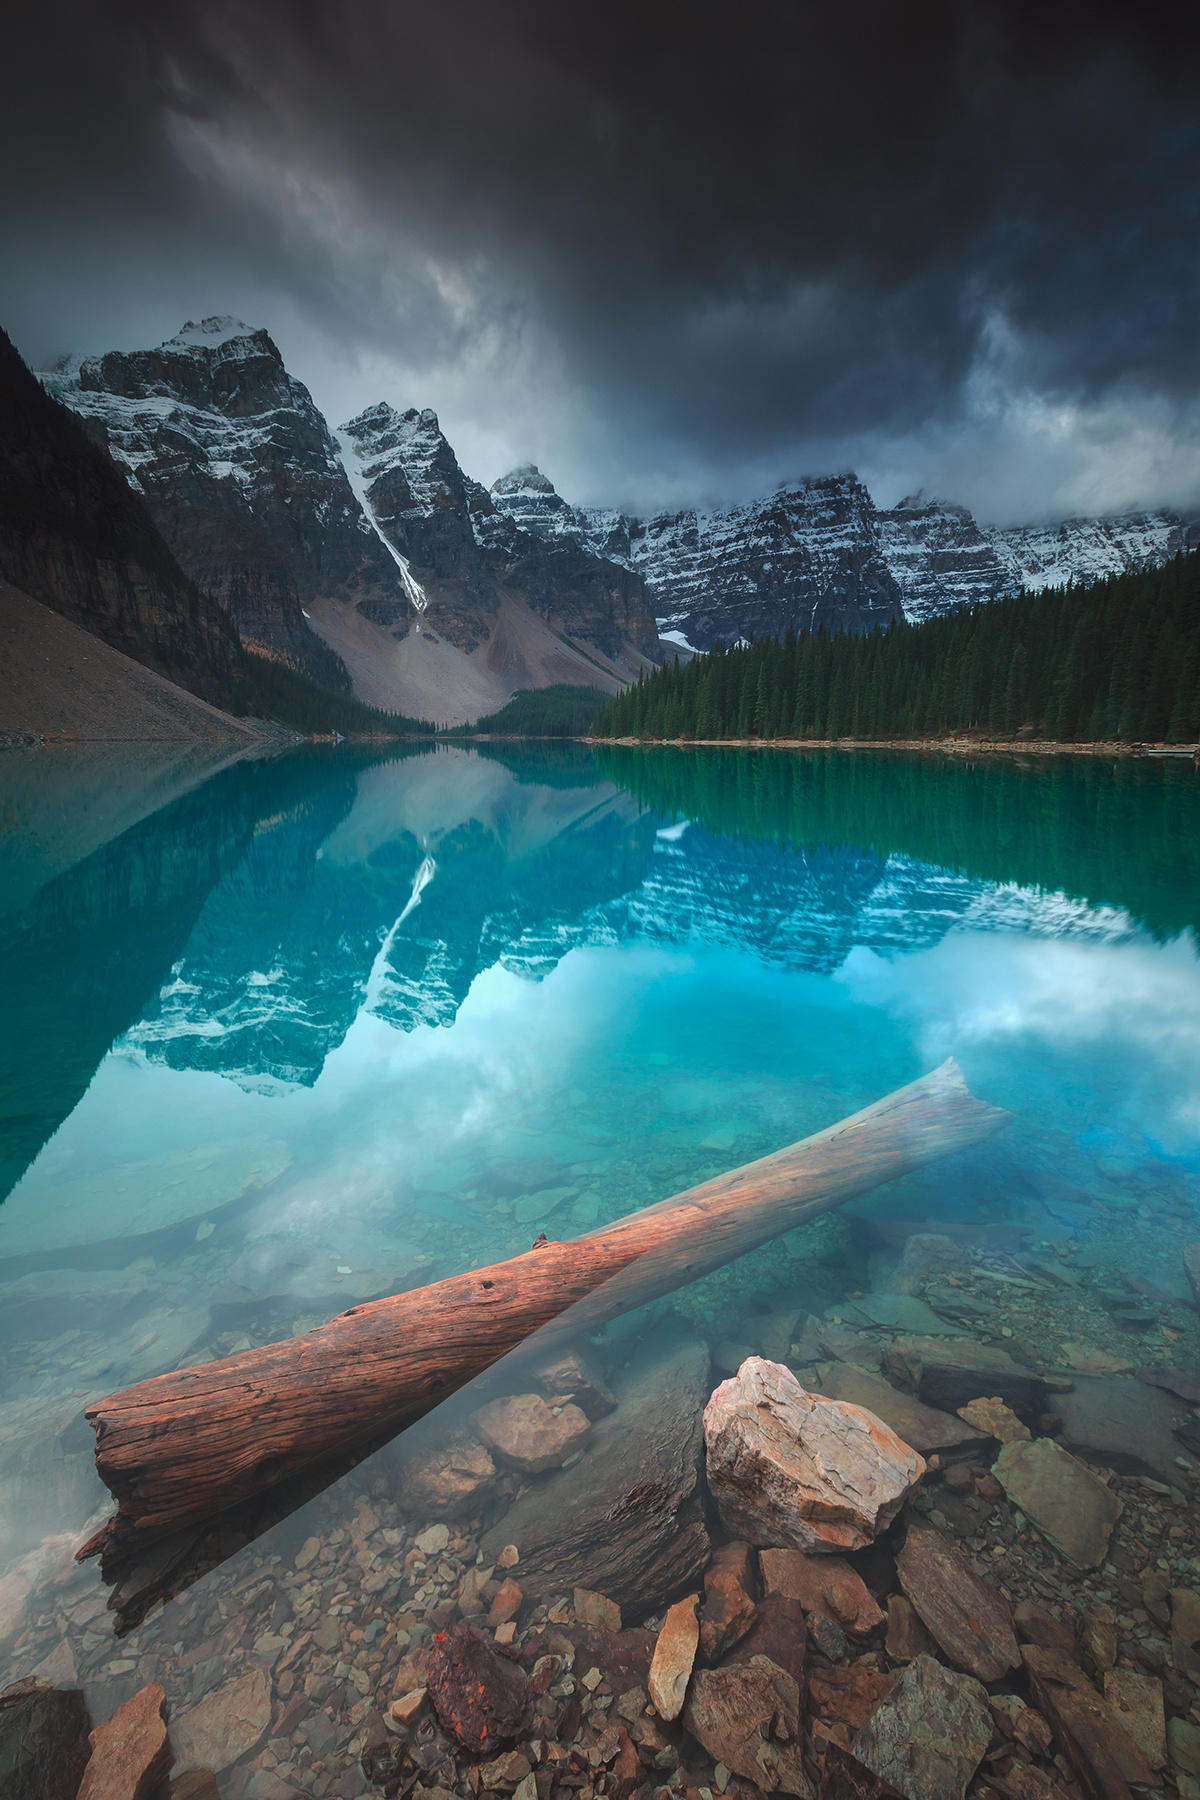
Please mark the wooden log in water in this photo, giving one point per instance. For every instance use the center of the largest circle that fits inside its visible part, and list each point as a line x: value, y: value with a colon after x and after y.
x: 181, y: 1447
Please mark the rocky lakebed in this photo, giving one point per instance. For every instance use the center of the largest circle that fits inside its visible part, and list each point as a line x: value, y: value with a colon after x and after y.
x: 938, y: 1538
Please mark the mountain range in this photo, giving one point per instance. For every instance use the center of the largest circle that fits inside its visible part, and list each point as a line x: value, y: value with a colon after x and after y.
x: 363, y: 550
x: 820, y: 552
x: 366, y: 561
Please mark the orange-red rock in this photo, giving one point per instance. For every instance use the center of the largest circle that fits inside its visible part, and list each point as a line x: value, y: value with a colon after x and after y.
x: 727, y: 1610
x: 673, y: 1659
x: 827, y: 1585
x: 131, y: 1754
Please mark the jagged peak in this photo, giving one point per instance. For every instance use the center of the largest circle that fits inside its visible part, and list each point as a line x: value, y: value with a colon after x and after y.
x: 921, y: 502
x: 844, y: 479
x: 218, y: 328
x: 384, y: 417
x: 526, y: 478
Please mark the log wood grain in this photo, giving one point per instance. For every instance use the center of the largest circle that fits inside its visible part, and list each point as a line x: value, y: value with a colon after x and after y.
x: 181, y: 1447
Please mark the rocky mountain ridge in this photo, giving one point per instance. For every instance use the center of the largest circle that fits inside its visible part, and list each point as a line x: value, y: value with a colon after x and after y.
x: 73, y: 537
x: 819, y: 552
x: 336, y: 553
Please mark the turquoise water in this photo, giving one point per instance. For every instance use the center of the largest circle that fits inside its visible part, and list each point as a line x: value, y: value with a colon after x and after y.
x: 283, y: 1036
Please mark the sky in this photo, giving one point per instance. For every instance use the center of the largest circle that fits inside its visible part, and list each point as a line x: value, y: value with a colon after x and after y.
x: 673, y: 255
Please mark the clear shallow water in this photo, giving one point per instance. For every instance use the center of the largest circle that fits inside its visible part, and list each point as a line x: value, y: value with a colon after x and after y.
x: 294, y: 1034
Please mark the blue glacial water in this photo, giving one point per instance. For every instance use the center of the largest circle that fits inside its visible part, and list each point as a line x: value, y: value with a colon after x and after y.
x: 282, y: 1036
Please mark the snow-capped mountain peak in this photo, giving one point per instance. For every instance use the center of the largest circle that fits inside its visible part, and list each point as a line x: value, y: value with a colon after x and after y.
x: 818, y: 551
x: 220, y: 328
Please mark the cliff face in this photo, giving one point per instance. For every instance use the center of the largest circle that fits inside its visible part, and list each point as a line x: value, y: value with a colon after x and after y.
x: 466, y: 553
x: 243, y: 478
x: 810, y: 554
x: 310, y: 538
x: 73, y: 536
x: 820, y: 552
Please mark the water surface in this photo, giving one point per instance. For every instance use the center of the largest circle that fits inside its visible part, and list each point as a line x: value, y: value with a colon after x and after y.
x: 294, y: 1033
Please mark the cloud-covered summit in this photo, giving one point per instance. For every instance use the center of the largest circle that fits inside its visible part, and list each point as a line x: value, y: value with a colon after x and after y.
x: 671, y: 257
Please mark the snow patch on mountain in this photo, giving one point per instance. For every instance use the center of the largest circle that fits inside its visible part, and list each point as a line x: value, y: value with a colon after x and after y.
x: 209, y: 333
x: 1080, y: 550
x: 819, y: 552
x: 359, y: 481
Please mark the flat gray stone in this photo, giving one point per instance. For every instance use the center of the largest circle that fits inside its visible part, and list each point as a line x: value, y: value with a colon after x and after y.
x: 1123, y: 1424
x: 896, y: 1312
x: 930, y: 1735
x: 924, y: 1427
x: 1067, y: 1502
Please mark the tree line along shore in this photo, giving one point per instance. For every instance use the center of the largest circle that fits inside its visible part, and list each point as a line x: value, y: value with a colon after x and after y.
x: 1115, y: 663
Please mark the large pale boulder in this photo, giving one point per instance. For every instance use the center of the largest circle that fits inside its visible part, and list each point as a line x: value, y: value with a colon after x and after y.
x: 794, y: 1470
x: 226, y: 1724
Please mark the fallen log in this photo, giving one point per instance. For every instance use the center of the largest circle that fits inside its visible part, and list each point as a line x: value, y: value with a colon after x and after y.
x: 183, y: 1446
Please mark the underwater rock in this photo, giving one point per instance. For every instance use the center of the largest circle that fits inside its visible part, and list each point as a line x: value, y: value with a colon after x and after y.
x: 674, y: 1655
x: 1136, y: 1701
x: 1191, y: 1268
x: 1037, y: 1626
x: 479, y: 1696
x: 924, y: 1427
x: 44, y: 1745
x: 826, y: 1585
x: 894, y: 1312
x: 791, y: 1469
x: 926, y: 1254
x: 1127, y: 1425
x: 1185, y: 1632
x: 930, y: 1735
x: 596, y: 1609
x: 572, y: 1375
x: 996, y: 1420
x: 844, y: 1779
x: 968, y: 1618
x: 1102, y: 1753
x: 848, y: 1696
x: 1175, y: 1381
x: 627, y: 1518
x: 727, y: 1611
x: 950, y: 1372
x: 131, y: 1755
x: 748, y: 1717
x: 530, y: 1434
x: 906, y: 1636
x: 1065, y: 1500
x: 1090, y: 1361
x: 443, y: 1479
x: 779, y: 1632
x: 227, y: 1724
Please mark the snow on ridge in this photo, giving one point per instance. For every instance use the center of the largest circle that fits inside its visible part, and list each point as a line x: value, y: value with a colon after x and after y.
x: 356, y: 475
x: 207, y: 334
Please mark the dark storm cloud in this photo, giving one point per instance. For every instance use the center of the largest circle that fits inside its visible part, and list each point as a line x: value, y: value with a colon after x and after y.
x: 674, y: 247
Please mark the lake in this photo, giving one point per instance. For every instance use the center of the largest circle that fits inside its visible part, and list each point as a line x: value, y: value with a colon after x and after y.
x: 282, y: 1036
